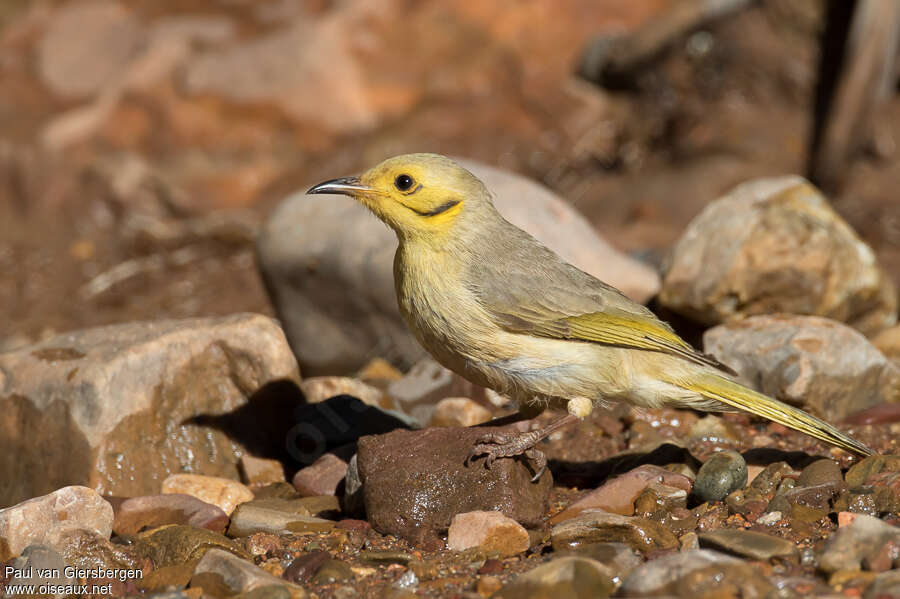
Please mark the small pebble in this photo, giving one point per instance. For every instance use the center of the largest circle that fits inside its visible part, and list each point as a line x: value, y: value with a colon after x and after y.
x: 721, y: 474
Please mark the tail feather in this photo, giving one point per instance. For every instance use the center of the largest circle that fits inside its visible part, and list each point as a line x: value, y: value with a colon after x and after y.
x: 738, y: 396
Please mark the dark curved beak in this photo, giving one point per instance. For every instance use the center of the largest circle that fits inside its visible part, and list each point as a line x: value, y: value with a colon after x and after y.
x: 345, y: 185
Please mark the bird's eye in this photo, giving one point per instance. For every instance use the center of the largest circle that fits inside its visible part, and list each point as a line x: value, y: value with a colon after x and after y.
x: 404, y: 182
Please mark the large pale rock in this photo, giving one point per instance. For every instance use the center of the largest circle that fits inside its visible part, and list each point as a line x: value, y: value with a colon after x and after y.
x: 36, y: 520
x: 813, y: 362
x: 224, y: 493
x: 220, y: 568
x: 327, y: 264
x: 112, y: 407
x: 776, y: 245
x: 491, y: 531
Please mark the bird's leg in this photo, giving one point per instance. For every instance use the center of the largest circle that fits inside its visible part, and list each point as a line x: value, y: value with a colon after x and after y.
x: 505, y: 445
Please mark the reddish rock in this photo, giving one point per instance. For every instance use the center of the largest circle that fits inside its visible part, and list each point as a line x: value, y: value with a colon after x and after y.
x: 36, y: 520
x: 617, y: 495
x: 322, y: 477
x: 135, y: 514
x: 490, y: 531
x: 222, y: 492
x: 414, y: 482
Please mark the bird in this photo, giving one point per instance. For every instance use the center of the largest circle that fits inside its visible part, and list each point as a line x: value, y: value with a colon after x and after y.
x: 493, y: 304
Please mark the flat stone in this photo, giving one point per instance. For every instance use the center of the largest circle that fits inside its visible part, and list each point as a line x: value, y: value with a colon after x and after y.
x: 90, y: 406
x: 458, y: 411
x: 224, y: 493
x: 259, y: 472
x: 344, y: 309
x: 322, y: 477
x: 886, y: 584
x: 490, y: 531
x: 33, y: 521
x: 414, y: 482
x: 746, y: 543
x: 176, y: 544
x: 86, y: 549
x: 619, y: 558
x: 821, y: 365
x: 221, y: 569
x: 617, y: 495
x: 692, y: 574
x: 776, y: 245
x: 596, y: 526
x: 570, y: 577
x: 723, y: 473
x: 249, y: 518
x: 135, y: 514
x: 819, y: 472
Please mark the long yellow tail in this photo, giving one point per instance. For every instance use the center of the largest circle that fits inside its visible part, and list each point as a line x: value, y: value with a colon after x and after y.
x: 738, y: 396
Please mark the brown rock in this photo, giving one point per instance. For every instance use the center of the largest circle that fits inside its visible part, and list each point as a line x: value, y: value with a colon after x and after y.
x: 860, y: 473
x: 414, y: 482
x: 853, y: 543
x: 135, y: 514
x: 86, y: 46
x: 819, y: 364
x: 322, y: 477
x: 597, y: 526
x: 617, y: 495
x: 746, y: 543
x: 775, y: 245
x: 347, y: 259
x: 490, y: 531
x: 259, y: 472
x: 176, y: 544
x: 220, y: 569
x: 88, y: 407
x: 33, y: 521
x: 305, y: 566
x: 458, y: 411
x: 820, y: 472
x: 224, y: 493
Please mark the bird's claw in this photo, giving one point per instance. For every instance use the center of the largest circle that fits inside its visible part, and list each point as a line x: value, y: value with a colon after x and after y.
x: 504, y: 445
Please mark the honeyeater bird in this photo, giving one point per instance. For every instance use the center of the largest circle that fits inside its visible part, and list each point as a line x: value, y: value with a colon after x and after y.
x: 493, y: 304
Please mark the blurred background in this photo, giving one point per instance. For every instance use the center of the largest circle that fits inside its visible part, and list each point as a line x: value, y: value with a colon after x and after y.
x: 142, y: 142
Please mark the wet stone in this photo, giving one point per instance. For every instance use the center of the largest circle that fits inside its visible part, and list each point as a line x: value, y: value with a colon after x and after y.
x: 820, y: 472
x: 723, y: 473
x: 767, y: 481
x: 249, y: 518
x: 575, y: 577
x: 259, y: 472
x: 333, y: 570
x: 305, y: 566
x: 885, y: 585
x: 385, y: 557
x: 220, y: 570
x: 135, y: 514
x: 658, y: 497
x: 38, y: 559
x: 747, y: 502
x: 618, y: 495
x: 175, y: 544
x: 745, y: 543
x: 618, y: 557
x: 817, y: 497
x: 595, y: 526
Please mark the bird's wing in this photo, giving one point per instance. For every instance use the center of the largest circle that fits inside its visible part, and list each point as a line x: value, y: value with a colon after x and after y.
x: 534, y: 291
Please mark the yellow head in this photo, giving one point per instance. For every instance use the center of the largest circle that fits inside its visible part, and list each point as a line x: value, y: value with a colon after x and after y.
x: 420, y: 196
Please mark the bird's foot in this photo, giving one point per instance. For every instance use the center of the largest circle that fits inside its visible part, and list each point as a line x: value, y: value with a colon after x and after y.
x: 507, y: 445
